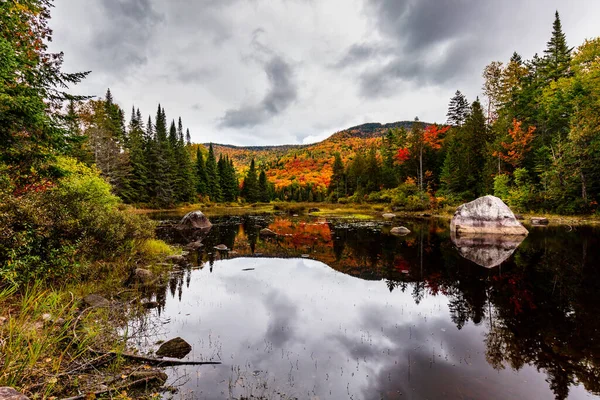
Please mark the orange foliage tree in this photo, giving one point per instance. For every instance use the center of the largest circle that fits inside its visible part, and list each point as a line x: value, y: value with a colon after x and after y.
x: 515, y: 151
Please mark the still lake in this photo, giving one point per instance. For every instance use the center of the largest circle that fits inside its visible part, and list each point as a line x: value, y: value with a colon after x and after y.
x: 341, y: 309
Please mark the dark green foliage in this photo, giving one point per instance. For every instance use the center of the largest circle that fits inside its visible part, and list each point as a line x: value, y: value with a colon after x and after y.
x: 201, y: 175
x: 250, y: 190
x: 264, y: 190
x: 337, y: 186
x: 212, y: 172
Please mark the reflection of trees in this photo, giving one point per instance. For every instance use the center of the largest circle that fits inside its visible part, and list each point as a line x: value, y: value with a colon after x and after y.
x: 540, y: 306
x: 545, y: 311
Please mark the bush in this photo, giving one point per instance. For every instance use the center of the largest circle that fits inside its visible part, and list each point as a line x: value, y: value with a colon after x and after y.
x: 51, y: 233
x: 502, y: 186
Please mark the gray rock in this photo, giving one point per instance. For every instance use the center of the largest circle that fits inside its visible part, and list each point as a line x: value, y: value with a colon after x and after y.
x: 486, y: 215
x: 221, y: 247
x: 266, y: 232
x: 174, y: 348
x: 194, y: 220
x: 194, y: 246
x: 7, y: 393
x: 486, y: 250
x: 143, y: 275
x: 400, y: 230
x: 95, y: 300
x: 389, y: 216
x: 539, y: 221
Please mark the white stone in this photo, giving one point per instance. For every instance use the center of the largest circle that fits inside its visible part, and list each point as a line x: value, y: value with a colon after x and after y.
x: 486, y: 215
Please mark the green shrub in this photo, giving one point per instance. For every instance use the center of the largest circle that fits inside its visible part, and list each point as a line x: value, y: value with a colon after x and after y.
x: 502, y: 187
x: 50, y: 234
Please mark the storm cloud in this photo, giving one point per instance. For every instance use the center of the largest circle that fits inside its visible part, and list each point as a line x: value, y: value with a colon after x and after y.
x: 282, y: 92
x: 256, y: 72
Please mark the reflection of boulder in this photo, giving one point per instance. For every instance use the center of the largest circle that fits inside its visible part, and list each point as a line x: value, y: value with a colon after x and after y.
x: 486, y: 250
x: 486, y: 215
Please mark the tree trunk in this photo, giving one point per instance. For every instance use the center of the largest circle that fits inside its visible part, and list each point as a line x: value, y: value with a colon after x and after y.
x: 583, y: 186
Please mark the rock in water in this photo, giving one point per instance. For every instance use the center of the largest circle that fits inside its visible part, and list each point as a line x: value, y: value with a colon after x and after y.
x: 221, y: 247
x: 95, y: 300
x: 486, y: 215
x: 389, y: 216
x: 267, y: 232
x: 539, y: 221
x: 174, y: 348
x: 400, y: 230
x: 194, y: 220
x: 7, y: 393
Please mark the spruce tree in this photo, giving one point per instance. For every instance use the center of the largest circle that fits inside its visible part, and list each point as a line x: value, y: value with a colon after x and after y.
x: 557, y: 54
x: 163, y: 183
x: 201, y: 175
x: 212, y: 171
x: 137, y: 157
x: 458, y: 109
x: 338, y: 178
x: 373, y: 171
x: 250, y: 188
x: 186, y: 182
x: 263, y: 187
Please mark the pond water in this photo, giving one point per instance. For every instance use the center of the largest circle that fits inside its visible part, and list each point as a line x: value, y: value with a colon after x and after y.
x: 336, y: 309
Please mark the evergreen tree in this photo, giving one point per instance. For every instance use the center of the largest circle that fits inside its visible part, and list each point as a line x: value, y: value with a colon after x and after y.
x: 250, y: 187
x: 163, y: 185
x: 186, y: 181
x: 188, y: 138
x: 137, y: 157
x: 263, y: 187
x: 337, y: 185
x: 201, y: 175
x: 557, y: 54
x: 458, y: 109
x: 389, y: 177
x: 373, y: 171
x: 212, y: 172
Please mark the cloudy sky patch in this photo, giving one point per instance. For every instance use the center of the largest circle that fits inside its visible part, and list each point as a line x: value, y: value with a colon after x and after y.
x: 255, y: 72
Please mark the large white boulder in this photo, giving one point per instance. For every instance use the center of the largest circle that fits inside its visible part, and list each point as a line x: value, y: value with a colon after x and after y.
x: 486, y: 215
x: 194, y: 220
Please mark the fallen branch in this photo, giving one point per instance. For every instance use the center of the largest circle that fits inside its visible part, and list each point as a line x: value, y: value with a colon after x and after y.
x: 154, y: 361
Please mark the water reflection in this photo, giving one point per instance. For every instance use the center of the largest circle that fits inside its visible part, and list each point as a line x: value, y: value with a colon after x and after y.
x: 486, y: 250
x: 374, y: 316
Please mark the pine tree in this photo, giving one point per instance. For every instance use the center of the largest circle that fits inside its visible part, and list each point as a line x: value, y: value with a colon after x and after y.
x: 188, y: 138
x: 458, y: 109
x: 250, y: 187
x: 337, y: 185
x: 185, y: 180
x: 212, y: 172
x: 137, y: 157
x: 163, y: 182
x: 389, y: 177
x: 557, y: 54
x: 201, y: 175
x: 263, y: 187
x: 373, y: 171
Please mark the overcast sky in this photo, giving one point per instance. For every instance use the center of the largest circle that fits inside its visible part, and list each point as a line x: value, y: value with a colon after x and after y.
x: 255, y: 72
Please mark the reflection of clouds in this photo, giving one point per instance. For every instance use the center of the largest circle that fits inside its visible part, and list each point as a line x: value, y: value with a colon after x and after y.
x: 318, y: 332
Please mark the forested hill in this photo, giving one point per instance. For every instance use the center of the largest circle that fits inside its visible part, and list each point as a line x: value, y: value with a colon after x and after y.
x: 308, y: 164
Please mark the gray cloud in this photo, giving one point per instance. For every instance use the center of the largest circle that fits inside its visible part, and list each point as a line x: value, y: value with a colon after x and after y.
x: 281, y: 94
x: 354, y: 61
x: 124, y: 42
x: 429, y: 43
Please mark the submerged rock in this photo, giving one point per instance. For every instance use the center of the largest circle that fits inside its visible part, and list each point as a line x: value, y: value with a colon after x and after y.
x: 222, y: 247
x: 389, y: 216
x: 193, y: 246
x: 266, y: 232
x: 8, y: 393
x: 174, y: 348
x: 400, y: 230
x: 314, y: 209
x: 486, y: 215
x: 539, y: 221
x: 95, y: 300
x: 194, y: 220
x: 176, y: 259
x: 486, y: 250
